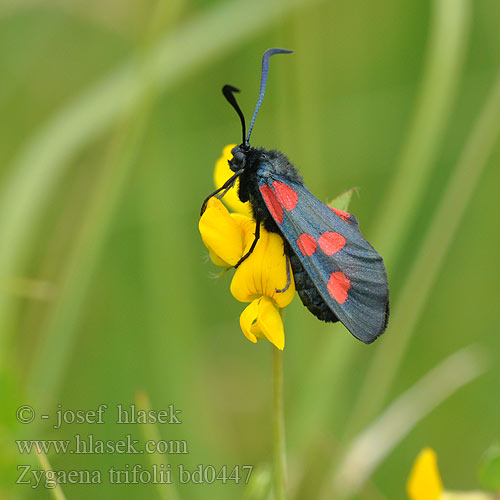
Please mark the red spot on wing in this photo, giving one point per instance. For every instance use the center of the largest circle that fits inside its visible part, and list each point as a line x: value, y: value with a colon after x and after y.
x: 344, y: 215
x: 286, y: 195
x: 307, y: 244
x: 331, y: 242
x: 272, y: 203
x: 338, y: 286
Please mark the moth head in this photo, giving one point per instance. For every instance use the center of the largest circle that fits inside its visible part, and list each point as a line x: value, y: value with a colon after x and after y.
x: 238, y: 161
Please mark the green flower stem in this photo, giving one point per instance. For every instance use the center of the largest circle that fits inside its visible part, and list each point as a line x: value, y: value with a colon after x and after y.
x: 278, y: 427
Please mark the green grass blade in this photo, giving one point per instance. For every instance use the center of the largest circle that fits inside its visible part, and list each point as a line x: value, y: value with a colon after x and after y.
x: 435, y: 247
x: 446, y: 52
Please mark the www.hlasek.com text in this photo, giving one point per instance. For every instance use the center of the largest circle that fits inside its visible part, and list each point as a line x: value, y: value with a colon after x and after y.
x: 89, y: 445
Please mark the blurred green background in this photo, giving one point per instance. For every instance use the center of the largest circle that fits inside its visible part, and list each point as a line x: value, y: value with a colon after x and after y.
x: 111, y: 121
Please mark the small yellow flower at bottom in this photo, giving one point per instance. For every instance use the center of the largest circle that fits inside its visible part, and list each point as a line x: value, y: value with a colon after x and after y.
x: 424, y: 482
x: 257, y: 280
x: 262, y: 320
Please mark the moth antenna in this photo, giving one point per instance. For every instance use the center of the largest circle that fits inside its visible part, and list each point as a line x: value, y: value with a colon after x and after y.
x: 263, y: 80
x: 228, y: 91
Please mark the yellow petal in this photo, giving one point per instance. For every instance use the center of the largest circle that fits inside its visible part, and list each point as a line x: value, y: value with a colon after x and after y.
x: 247, y: 226
x: 221, y: 174
x: 221, y: 234
x: 424, y: 482
x: 255, y: 329
x: 263, y: 271
x: 248, y: 318
x: 216, y: 259
x: 270, y: 322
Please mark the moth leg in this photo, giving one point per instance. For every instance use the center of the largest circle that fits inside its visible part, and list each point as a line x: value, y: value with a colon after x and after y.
x: 288, y: 276
x: 225, y: 188
x: 254, y: 242
x: 221, y: 195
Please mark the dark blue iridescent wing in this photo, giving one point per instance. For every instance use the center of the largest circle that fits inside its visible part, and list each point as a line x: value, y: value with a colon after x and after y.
x: 345, y: 269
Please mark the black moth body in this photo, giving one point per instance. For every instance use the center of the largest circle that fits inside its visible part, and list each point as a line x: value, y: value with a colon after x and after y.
x: 249, y: 191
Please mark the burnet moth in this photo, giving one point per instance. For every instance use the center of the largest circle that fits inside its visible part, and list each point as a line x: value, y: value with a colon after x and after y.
x: 338, y: 274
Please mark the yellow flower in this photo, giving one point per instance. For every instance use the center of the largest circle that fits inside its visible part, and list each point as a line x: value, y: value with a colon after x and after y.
x: 228, y: 237
x: 221, y: 234
x: 257, y: 280
x: 424, y: 482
